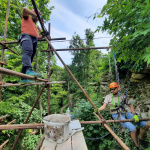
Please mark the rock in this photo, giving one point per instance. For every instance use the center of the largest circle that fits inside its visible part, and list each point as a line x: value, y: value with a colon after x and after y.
x: 144, y: 115
x: 148, y: 114
x: 138, y: 76
x: 145, y: 71
x: 143, y: 108
x: 132, y: 101
x: 104, y: 83
x: 133, y: 80
x: 132, y: 70
x: 147, y: 101
x: 147, y: 67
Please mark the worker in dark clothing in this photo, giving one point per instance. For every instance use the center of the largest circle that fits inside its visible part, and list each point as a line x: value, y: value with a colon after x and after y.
x: 117, y: 104
x: 29, y: 38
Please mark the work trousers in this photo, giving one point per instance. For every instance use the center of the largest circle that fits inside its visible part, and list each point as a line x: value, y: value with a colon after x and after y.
x: 129, y: 125
x: 29, y: 46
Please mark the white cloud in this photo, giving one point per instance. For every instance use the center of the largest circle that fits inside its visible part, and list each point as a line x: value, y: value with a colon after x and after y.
x: 65, y: 20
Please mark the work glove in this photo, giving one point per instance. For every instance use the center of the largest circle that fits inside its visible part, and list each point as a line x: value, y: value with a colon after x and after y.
x: 96, y: 110
x: 136, y: 118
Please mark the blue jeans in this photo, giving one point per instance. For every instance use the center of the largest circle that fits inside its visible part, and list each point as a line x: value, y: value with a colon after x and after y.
x: 29, y: 46
x: 128, y: 125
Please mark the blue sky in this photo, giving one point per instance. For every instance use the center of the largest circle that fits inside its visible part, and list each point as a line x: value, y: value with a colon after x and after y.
x: 70, y: 16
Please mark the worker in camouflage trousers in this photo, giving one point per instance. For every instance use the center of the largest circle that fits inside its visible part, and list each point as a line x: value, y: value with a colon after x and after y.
x: 117, y: 104
x: 28, y: 40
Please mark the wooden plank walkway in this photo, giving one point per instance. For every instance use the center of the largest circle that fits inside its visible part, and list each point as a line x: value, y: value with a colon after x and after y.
x: 75, y: 142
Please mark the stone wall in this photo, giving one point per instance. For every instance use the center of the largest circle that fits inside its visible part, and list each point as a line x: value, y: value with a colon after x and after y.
x: 138, y: 86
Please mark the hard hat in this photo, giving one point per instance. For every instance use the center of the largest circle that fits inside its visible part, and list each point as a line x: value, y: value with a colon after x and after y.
x: 38, y: 11
x: 113, y: 85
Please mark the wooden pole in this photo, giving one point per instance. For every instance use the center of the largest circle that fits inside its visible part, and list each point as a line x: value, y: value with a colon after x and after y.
x: 113, y: 134
x: 4, y: 39
x: 6, y: 47
x: 40, y: 143
x: 41, y: 125
x: 6, y: 21
x: 28, y: 84
x: 1, y: 146
x: 28, y: 116
x: 22, y: 126
x: 48, y: 72
x: 105, y: 125
x: 18, y: 74
x: 11, y: 122
x: 40, y: 40
x: 113, y: 121
x: 71, y: 49
x: 86, y: 95
x: 3, y: 117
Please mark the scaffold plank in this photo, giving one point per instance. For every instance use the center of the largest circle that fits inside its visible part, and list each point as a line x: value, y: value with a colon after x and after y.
x: 48, y: 145
x: 78, y: 141
x: 65, y: 146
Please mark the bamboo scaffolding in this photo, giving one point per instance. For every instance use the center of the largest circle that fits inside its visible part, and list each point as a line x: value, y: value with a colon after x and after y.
x: 28, y: 84
x: 19, y: 134
x: 18, y: 74
x: 40, y: 142
x: 41, y: 125
x: 40, y: 40
x: 86, y: 95
x: 3, y: 46
x: 6, y: 47
x: 21, y: 126
x: 11, y: 122
x: 70, y: 49
x: 113, y: 134
x: 9, y: 72
x: 48, y: 76
x: 3, y: 63
x: 6, y: 21
x: 113, y: 121
x: 3, y: 117
x: 1, y: 146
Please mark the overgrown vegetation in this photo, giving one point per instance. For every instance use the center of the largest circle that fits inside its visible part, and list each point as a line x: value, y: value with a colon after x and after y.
x: 128, y: 23
x: 126, y: 20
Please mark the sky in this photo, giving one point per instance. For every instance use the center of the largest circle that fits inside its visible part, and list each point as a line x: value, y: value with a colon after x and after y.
x: 70, y: 16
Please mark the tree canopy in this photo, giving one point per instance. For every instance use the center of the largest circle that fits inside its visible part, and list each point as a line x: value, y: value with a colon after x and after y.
x: 128, y: 23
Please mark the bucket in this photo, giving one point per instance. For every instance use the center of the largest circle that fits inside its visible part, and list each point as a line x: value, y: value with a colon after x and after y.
x: 56, y: 128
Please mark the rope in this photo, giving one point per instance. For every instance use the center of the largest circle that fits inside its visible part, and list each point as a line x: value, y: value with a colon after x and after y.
x: 110, y: 72
x: 92, y: 139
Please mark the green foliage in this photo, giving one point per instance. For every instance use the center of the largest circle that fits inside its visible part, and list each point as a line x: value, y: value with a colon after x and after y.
x: 30, y: 142
x: 146, y: 55
x: 93, y: 131
x: 18, y: 101
x: 96, y: 135
x: 128, y: 23
x: 87, y: 66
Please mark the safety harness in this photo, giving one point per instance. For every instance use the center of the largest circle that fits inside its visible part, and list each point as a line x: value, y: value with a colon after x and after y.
x: 119, y: 106
x: 113, y: 102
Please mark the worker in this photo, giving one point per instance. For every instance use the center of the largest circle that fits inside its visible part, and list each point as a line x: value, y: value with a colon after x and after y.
x: 117, y: 103
x: 28, y: 40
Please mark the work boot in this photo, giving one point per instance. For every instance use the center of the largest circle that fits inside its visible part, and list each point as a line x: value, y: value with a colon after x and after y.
x: 26, y: 81
x: 143, y: 143
x: 32, y: 73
